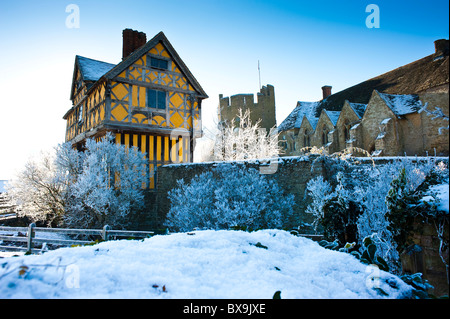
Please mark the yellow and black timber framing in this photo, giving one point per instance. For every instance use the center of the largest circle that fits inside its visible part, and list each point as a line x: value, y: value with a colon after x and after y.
x: 149, y: 100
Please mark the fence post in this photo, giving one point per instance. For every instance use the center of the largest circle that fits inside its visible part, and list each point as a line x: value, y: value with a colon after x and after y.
x: 30, y: 236
x: 105, y: 232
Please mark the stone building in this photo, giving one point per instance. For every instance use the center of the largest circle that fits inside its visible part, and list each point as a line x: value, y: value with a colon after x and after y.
x: 263, y: 109
x: 383, y: 115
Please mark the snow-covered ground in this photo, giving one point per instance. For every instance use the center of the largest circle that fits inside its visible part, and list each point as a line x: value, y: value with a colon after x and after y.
x: 202, y: 264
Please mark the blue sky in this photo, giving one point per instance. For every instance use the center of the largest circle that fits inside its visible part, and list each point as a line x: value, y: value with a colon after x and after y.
x: 301, y: 46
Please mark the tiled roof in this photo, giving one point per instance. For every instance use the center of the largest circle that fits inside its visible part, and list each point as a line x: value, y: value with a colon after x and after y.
x: 294, y: 120
x: 359, y: 108
x: 402, y: 104
x: 92, y: 70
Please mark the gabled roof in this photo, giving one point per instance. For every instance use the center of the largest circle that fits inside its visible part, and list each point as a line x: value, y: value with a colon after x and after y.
x: 313, y: 123
x: 401, y: 104
x: 91, y: 71
x: 94, y: 70
x: 427, y: 74
x: 358, y: 108
x: 333, y: 116
x: 295, y: 118
x: 160, y: 37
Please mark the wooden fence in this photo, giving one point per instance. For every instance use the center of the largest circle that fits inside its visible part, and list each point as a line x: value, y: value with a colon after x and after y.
x: 7, y: 215
x: 6, y: 209
x: 28, y: 235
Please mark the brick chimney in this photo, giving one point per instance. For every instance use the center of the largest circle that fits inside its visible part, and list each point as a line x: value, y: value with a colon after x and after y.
x: 326, y: 91
x: 441, y: 47
x: 132, y: 40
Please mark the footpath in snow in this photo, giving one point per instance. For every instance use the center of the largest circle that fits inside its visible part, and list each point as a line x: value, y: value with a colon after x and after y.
x: 201, y: 264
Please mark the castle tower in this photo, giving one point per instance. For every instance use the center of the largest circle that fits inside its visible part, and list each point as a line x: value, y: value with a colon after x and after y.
x: 263, y: 109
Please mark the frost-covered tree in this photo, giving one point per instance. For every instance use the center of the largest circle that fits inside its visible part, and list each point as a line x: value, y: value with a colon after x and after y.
x: 37, y: 192
x: 229, y: 195
x: 245, y: 141
x: 320, y: 191
x: 107, y: 186
x: 89, y: 189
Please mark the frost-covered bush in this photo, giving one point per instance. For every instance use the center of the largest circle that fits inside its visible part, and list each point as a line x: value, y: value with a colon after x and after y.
x: 372, y: 191
x: 320, y: 191
x: 409, y: 209
x: 335, y: 211
x: 230, y: 195
x: 369, y: 186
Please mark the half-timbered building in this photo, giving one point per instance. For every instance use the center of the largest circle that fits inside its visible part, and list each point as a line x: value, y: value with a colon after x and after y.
x: 150, y: 100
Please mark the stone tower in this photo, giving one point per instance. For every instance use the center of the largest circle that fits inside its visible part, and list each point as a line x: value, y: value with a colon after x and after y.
x: 263, y: 109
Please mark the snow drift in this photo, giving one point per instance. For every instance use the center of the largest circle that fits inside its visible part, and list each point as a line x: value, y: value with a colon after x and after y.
x: 202, y: 264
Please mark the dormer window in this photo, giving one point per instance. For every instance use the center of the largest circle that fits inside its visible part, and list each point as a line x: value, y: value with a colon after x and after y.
x: 159, y: 63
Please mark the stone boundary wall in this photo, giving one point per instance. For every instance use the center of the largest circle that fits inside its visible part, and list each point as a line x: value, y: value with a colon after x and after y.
x: 291, y: 173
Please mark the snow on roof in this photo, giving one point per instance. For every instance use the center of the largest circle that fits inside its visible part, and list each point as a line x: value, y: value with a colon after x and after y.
x: 402, y: 104
x: 333, y: 116
x: 294, y: 120
x: 93, y: 70
x: 359, y: 108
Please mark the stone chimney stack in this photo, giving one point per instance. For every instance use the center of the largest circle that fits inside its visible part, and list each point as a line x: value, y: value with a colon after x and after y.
x: 441, y: 47
x: 132, y: 40
x: 326, y: 91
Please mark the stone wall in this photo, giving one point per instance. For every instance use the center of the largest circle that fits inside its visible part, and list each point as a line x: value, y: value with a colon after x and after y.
x: 291, y: 173
x: 375, y: 113
x: 423, y: 256
x: 431, y: 138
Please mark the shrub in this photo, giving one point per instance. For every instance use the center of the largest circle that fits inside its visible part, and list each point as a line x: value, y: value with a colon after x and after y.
x: 336, y: 212
x: 359, y: 199
x: 228, y: 196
